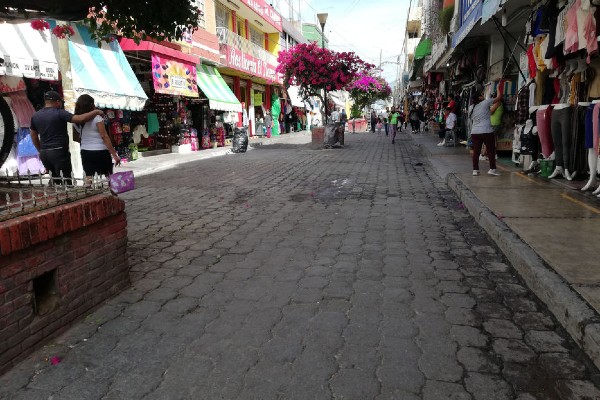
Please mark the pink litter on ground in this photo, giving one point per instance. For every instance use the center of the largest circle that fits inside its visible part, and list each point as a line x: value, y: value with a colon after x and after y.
x: 55, y: 360
x: 312, y: 194
x: 461, y: 206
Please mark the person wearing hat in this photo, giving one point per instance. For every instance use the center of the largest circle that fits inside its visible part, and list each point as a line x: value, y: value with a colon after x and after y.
x: 49, y: 134
x: 482, y: 130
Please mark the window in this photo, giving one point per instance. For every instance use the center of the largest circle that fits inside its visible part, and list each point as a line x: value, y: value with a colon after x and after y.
x: 222, y: 16
x: 412, y: 35
x: 240, y: 27
x: 256, y: 37
x: 202, y: 20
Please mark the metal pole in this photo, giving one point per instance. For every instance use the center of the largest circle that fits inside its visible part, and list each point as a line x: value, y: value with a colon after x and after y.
x: 512, y: 56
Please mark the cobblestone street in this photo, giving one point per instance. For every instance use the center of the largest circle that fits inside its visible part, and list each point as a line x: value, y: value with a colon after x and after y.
x: 290, y: 273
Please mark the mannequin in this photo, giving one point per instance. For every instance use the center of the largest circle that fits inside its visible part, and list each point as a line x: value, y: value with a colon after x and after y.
x: 593, y: 152
x: 543, y: 123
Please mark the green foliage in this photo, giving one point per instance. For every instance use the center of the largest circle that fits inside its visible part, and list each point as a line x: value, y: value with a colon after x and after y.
x: 136, y: 19
x: 142, y: 19
x: 445, y: 18
x: 356, y: 111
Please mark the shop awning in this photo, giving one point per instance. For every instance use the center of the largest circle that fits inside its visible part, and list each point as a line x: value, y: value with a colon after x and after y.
x: 489, y: 8
x: 26, y: 52
x: 423, y: 48
x: 295, y: 97
x: 103, y: 73
x: 220, y: 97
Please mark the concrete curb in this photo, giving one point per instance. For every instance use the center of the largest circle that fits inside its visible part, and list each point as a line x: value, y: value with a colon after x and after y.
x: 573, y: 312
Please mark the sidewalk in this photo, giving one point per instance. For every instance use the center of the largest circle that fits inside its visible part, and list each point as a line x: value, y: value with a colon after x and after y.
x: 148, y: 165
x: 546, y: 228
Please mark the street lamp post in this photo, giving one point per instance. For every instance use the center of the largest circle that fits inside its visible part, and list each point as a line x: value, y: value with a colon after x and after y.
x: 322, y: 19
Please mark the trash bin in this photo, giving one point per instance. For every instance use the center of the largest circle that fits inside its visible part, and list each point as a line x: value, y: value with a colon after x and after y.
x: 546, y: 167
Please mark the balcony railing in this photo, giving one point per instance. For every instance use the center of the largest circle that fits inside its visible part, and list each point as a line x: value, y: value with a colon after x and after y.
x: 234, y: 40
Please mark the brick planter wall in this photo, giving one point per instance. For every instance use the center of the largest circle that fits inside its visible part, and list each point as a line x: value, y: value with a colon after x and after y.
x: 318, y: 135
x: 55, y: 265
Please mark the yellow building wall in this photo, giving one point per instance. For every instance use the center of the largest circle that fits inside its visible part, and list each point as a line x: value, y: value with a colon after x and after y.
x: 274, y: 43
x: 209, y: 17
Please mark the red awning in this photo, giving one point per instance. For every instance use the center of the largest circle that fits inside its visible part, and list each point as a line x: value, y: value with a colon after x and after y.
x: 130, y: 45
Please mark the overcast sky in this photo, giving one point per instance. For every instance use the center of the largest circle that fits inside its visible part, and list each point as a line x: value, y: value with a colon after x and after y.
x: 367, y: 27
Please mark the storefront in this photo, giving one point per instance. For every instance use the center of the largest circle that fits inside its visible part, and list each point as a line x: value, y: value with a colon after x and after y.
x: 29, y: 69
x: 176, y: 115
x: 224, y: 107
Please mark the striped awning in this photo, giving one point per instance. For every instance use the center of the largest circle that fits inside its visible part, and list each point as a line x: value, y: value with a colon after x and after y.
x: 103, y: 73
x: 26, y: 52
x: 220, y: 96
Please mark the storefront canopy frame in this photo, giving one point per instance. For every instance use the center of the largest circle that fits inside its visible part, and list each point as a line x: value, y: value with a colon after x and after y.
x: 103, y: 73
x: 220, y: 96
x: 26, y: 52
x: 131, y: 45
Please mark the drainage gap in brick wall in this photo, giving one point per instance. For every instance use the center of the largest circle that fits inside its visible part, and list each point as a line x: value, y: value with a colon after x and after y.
x: 45, y: 293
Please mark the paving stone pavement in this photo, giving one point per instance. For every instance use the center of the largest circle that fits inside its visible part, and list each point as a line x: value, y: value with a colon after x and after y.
x: 290, y: 273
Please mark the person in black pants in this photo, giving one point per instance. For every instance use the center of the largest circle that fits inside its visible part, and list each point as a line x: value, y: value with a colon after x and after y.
x: 49, y: 135
x: 373, y: 121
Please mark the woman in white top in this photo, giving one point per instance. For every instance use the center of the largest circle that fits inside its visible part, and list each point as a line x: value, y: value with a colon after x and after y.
x: 481, y: 129
x: 96, y: 147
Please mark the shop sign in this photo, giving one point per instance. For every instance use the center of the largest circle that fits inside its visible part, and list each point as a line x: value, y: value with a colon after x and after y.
x: 266, y: 11
x: 174, y: 77
x: 258, y: 99
x: 468, y: 24
x: 29, y: 68
x: 241, y: 61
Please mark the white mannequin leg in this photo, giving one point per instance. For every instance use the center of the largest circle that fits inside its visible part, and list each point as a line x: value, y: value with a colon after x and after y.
x: 568, y: 175
x: 557, y: 171
x: 593, y: 165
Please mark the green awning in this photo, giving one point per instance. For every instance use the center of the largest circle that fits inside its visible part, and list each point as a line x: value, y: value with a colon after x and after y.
x: 423, y: 49
x: 220, y: 96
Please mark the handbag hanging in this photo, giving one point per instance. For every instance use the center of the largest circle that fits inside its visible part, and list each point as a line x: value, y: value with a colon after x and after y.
x: 25, y: 147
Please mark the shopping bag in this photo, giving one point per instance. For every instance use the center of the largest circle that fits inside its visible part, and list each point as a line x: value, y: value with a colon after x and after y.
x: 122, y: 181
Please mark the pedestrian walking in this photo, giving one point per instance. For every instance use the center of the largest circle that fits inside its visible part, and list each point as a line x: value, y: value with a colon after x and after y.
x: 386, y: 121
x: 379, y: 125
x: 268, y: 123
x: 413, y: 117
x: 97, y: 151
x: 393, y: 123
x: 373, y: 120
x: 50, y: 137
x: 482, y: 130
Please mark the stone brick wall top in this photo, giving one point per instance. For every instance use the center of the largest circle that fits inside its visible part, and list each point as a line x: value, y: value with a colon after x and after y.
x: 23, y: 232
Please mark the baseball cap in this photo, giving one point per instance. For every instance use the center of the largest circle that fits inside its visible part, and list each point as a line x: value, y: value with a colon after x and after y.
x: 52, y: 96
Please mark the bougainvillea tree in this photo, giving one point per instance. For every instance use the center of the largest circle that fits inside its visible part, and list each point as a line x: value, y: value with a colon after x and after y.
x: 314, y: 69
x: 366, y: 88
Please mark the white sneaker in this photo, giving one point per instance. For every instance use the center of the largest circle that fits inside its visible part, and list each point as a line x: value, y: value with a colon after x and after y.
x: 483, y: 158
x: 475, y: 172
x: 493, y: 172
x: 441, y: 143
